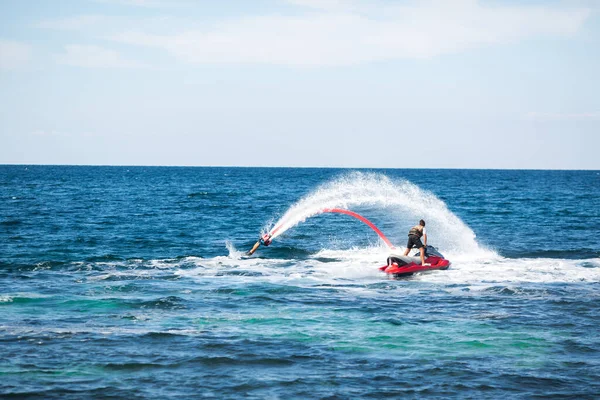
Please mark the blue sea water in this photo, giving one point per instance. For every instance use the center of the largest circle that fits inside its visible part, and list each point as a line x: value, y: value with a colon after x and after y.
x: 131, y: 282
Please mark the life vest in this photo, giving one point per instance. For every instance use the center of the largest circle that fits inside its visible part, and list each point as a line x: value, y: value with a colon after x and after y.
x: 416, y: 230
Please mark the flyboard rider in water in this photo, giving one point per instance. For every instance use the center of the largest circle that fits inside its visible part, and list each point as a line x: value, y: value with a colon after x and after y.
x: 264, y: 239
x: 414, y: 240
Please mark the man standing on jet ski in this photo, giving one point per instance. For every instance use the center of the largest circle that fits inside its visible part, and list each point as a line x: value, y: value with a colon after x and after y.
x: 414, y: 240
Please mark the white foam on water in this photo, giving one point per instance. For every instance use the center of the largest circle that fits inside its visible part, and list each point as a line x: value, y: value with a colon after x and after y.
x: 361, y: 266
x: 355, y: 266
x: 107, y: 330
x: 356, y: 272
x: 522, y: 270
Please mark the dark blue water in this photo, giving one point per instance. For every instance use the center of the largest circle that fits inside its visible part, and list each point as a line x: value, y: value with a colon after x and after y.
x: 132, y: 282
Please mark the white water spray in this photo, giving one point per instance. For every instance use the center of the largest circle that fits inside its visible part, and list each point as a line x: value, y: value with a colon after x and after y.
x: 404, y: 203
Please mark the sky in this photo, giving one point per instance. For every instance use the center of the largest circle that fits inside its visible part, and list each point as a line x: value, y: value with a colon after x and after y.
x: 301, y: 83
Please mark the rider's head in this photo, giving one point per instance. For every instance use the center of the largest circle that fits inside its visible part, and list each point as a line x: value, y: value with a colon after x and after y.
x: 422, y: 222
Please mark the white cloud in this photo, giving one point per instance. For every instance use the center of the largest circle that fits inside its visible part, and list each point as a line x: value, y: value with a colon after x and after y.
x: 344, y: 33
x: 13, y: 54
x: 322, y: 4
x: 94, y: 57
x: 73, y: 23
x: 584, y: 116
x: 142, y: 3
x: 49, y: 133
x: 100, y: 25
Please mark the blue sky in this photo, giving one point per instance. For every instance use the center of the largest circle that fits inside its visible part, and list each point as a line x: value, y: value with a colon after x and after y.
x: 334, y: 83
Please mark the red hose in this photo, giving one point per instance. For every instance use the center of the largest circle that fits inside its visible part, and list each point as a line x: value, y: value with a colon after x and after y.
x: 363, y: 219
x: 355, y: 215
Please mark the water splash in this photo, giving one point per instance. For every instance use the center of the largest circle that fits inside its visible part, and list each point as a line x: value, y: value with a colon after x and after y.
x: 233, y: 252
x: 403, y: 202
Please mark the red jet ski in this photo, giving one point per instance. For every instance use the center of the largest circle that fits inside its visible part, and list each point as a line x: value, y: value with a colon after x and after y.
x: 400, y: 265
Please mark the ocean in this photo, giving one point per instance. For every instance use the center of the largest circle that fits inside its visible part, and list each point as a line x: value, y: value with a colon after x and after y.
x: 132, y: 282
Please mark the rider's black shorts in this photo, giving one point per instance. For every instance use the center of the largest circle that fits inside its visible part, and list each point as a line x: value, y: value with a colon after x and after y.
x: 414, y: 241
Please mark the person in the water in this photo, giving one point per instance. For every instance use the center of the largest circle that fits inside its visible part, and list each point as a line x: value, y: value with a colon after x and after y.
x: 264, y: 239
x: 414, y: 240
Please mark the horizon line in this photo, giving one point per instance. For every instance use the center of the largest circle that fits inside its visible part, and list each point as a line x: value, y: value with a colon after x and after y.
x: 289, y: 167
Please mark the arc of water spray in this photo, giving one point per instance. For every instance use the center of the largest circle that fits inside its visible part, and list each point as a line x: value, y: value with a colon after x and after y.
x: 358, y: 189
